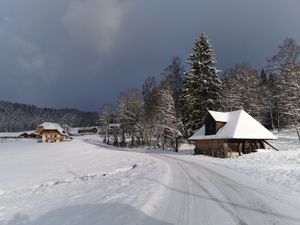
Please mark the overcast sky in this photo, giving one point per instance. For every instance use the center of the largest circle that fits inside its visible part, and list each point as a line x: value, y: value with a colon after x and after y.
x: 82, y: 53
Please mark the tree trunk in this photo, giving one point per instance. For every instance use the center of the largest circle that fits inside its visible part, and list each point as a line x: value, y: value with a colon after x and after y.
x: 243, y: 147
x: 239, y: 148
x: 297, y: 130
x: 104, y: 139
x: 132, y: 140
x: 272, y: 119
x: 176, y: 144
x: 107, y: 138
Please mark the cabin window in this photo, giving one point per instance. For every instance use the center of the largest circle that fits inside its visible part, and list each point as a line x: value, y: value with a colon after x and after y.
x: 210, y: 128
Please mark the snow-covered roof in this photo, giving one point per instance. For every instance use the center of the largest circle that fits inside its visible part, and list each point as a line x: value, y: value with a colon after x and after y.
x: 219, y: 116
x: 238, y: 125
x: 52, y: 126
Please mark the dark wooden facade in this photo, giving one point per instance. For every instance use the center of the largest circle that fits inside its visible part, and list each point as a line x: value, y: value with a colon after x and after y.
x: 212, y: 126
x: 227, y: 147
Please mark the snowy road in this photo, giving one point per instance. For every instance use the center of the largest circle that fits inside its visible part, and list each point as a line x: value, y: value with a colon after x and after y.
x: 203, y: 193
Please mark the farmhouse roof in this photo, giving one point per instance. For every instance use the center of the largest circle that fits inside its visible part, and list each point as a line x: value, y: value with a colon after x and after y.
x: 238, y: 125
x: 52, y: 126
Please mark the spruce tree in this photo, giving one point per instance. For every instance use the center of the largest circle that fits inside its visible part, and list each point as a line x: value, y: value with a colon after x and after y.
x: 201, y: 86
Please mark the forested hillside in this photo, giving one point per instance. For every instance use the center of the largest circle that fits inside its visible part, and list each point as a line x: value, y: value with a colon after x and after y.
x: 19, y: 117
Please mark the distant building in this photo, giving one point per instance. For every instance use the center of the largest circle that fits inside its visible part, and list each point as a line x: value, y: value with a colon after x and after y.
x: 113, y: 126
x: 30, y: 135
x: 51, y: 132
x: 227, y: 134
x: 89, y: 130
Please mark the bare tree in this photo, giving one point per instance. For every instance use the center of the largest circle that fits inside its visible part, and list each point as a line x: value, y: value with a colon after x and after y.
x: 243, y: 89
x: 173, y: 75
x: 104, y: 119
x: 130, y: 113
x: 149, y: 93
x: 166, y: 118
x: 284, y: 67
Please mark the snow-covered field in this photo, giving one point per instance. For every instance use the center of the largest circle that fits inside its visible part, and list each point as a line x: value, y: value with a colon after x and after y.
x: 44, y: 183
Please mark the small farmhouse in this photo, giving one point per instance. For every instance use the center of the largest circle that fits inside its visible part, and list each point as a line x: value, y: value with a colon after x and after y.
x: 51, y: 132
x: 228, y: 134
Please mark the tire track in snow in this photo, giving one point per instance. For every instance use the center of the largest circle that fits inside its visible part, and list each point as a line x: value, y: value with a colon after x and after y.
x: 249, y: 197
x: 230, y: 193
x: 236, y: 219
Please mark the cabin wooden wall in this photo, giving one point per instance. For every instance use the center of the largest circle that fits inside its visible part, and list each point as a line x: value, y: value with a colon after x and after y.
x: 227, y: 147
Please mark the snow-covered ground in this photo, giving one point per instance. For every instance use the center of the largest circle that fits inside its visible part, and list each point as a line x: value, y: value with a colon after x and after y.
x: 279, y: 168
x: 44, y: 183
x: 85, y: 182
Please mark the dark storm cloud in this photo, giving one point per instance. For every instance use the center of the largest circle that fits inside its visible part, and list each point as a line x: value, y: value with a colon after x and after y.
x: 81, y: 53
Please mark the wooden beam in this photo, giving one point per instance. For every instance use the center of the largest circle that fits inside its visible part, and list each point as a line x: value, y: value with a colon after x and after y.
x: 238, y: 148
x: 270, y: 145
x: 244, y: 147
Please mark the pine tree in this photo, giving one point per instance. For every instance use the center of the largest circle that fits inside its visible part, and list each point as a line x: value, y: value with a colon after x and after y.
x: 201, y: 85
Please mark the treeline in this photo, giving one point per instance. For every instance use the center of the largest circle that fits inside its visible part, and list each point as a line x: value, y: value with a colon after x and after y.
x: 16, y: 117
x: 176, y: 105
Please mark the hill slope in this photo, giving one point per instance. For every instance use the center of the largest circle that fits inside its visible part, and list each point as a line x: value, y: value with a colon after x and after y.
x: 19, y: 117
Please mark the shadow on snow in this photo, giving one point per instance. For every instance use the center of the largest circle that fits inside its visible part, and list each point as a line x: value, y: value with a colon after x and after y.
x: 90, y: 214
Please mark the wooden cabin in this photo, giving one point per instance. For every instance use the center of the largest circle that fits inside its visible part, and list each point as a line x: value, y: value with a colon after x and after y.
x: 51, y: 132
x: 229, y: 134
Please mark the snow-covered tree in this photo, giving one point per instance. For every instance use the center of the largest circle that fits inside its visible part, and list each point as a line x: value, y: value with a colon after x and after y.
x: 173, y: 75
x: 201, y: 86
x: 130, y: 114
x: 243, y: 89
x: 149, y: 90
x: 167, y: 122
x: 22, y: 117
x: 104, y: 119
x: 284, y: 68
